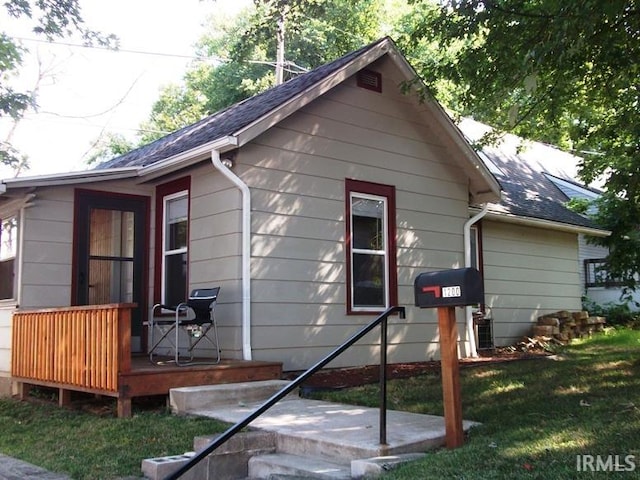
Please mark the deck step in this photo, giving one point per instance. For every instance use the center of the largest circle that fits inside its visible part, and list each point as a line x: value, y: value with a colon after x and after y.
x: 279, y: 465
x: 185, y: 400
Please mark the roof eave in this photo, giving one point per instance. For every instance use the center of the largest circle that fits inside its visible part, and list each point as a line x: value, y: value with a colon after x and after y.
x: 68, y: 178
x: 282, y: 111
x: 188, y: 158
x: 550, y: 224
x: 493, y: 191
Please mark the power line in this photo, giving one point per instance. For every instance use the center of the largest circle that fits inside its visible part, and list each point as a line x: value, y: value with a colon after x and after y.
x: 123, y: 50
x: 158, y: 54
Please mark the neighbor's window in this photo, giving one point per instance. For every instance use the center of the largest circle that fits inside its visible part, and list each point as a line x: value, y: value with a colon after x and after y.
x: 596, y: 274
x: 172, y: 241
x: 372, y: 283
x: 8, y: 249
x: 475, y: 247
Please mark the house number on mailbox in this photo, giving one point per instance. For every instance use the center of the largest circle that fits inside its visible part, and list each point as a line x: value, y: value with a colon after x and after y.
x: 449, y: 292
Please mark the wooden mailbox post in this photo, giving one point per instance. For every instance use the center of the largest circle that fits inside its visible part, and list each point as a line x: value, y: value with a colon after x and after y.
x: 446, y: 290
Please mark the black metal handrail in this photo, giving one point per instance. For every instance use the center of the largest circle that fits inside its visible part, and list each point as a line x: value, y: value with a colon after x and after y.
x: 231, y: 431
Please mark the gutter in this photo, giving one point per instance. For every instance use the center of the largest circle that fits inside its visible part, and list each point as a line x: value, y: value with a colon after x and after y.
x: 246, y: 250
x: 540, y: 223
x: 471, y: 334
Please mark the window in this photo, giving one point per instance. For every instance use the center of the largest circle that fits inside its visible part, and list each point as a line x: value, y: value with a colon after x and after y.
x: 371, y: 261
x: 476, y: 246
x: 8, y: 249
x: 172, y: 242
x: 596, y: 274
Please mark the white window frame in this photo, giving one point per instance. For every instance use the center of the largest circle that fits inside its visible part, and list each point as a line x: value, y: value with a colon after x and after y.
x: 17, y: 235
x: 178, y: 251
x: 384, y: 252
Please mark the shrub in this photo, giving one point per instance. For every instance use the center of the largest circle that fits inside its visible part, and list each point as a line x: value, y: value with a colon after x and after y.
x: 617, y: 314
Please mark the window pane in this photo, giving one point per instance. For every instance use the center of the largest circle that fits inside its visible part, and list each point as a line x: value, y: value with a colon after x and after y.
x: 110, y: 281
x: 175, y: 280
x: 6, y: 279
x: 474, y: 248
x: 111, y: 233
x: 8, y: 248
x: 367, y: 227
x: 8, y: 238
x: 176, y: 224
x: 368, y: 280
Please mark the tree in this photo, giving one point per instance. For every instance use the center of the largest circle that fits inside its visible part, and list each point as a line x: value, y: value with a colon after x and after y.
x: 560, y: 72
x: 51, y: 19
x: 244, y: 53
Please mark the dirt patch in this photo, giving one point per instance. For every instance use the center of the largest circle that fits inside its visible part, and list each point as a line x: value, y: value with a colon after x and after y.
x: 337, y: 378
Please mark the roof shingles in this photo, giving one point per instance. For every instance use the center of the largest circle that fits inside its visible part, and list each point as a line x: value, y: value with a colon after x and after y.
x: 228, y: 121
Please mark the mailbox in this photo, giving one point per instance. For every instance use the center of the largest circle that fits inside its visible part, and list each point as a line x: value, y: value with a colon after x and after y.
x: 449, y: 288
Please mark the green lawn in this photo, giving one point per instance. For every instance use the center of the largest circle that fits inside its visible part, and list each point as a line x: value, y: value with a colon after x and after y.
x: 537, y: 415
x: 85, y: 445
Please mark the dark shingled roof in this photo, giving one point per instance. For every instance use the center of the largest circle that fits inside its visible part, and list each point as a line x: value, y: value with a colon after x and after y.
x: 522, y: 168
x: 230, y: 120
x: 528, y: 192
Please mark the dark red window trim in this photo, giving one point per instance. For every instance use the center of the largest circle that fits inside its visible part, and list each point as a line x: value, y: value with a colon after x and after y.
x: 79, y: 194
x: 162, y: 191
x: 388, y: 191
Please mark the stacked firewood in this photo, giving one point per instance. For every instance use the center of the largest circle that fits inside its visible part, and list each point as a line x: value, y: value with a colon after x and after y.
x: 565, y: 326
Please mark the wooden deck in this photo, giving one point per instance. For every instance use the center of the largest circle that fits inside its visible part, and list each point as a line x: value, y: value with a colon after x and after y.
x: 87, y: 349
x: 146, y: 378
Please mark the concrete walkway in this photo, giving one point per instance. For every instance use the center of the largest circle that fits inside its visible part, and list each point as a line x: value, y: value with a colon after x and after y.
x: 342, y: 431
x: 14, y: 469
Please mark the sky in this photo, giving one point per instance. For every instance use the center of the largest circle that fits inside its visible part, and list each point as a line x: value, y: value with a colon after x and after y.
x: 92, y: 91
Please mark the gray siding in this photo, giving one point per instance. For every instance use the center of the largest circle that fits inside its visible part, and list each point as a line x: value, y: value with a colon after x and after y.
x: 215, y: 250
x: 5, y: 348
x: 296, y: 172
x: 48, y: 244
x: 528, y: 272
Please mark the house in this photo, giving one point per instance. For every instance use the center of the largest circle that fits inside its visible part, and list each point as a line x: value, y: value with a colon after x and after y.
x: 552, y: 173
x: 313, y: 205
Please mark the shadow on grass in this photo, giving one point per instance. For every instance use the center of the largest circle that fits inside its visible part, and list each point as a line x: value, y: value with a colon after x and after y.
x: 537, y: 415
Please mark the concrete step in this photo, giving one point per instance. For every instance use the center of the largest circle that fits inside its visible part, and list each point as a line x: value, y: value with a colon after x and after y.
x: 279, y: 465
x: 185, y: 400
x: 228, y: 462
x: 339, y: 433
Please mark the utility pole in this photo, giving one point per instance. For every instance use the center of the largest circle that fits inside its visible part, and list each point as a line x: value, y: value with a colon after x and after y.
x: 280, y: 45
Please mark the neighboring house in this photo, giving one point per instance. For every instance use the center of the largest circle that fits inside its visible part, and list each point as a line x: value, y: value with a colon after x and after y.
x: 313, y: 206
x: 551, y: 167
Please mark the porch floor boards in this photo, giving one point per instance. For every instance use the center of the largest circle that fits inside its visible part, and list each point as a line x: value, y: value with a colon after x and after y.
x: 146, y: 379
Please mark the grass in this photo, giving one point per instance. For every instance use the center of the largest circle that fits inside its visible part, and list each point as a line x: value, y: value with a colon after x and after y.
x: 537, y: 415
x: 85, y: 445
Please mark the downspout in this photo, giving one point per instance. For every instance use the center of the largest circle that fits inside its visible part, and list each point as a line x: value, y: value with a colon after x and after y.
x: 246, y: 251
x: 471, y: 334
x: 20, y: 253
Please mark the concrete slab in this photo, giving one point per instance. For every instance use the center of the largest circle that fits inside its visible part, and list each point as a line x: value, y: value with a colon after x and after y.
x: 14, y: 469
x: 339, y: 432
x: 187, y: 399
x: 265, y: 466
x: 374, y: 467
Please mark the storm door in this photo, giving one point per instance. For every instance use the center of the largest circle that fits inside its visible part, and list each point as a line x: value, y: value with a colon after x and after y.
x: 110, y: 253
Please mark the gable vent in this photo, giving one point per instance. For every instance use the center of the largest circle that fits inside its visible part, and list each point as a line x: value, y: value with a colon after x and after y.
x: 370, y: 80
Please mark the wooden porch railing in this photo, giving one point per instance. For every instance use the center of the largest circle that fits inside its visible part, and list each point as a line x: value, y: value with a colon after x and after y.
x: 81, y: 348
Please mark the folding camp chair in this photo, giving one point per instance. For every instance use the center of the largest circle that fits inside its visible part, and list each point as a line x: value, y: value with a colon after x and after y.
x: 195, y: 319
